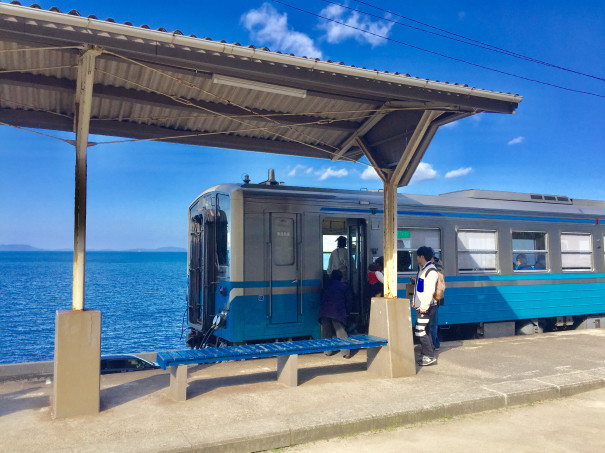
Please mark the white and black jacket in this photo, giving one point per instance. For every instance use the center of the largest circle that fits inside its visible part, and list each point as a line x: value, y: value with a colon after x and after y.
x: 426, y: 282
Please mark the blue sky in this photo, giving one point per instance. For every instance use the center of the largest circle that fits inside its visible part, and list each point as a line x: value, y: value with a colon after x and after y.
x: 138, y: 193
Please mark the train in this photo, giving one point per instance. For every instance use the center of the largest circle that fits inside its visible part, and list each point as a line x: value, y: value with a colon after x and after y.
x: 513, y: 262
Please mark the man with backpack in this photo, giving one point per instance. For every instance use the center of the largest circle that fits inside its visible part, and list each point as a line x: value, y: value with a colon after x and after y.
x: 425, y: 303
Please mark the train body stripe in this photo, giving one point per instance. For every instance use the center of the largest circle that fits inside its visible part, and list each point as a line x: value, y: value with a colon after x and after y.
x: 468, y: 216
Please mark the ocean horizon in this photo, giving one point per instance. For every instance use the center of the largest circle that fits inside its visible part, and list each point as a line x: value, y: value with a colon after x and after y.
x: 141, y: 296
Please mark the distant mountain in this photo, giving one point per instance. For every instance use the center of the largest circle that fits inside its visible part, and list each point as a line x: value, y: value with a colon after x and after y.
x: 161, y: 249
x: 29, y: 248
x: 18, y: 248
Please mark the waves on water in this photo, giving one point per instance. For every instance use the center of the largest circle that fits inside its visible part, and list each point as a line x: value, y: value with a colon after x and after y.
x: 141, y: 296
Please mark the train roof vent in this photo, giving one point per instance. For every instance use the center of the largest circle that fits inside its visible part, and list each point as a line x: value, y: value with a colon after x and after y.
x: 509, y: 196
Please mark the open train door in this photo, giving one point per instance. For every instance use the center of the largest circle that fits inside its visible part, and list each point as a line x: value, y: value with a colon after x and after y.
x: 356, y: 235
x: 355, y: 232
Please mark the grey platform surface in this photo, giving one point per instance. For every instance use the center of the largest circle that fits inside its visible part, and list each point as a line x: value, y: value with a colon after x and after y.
x: 239, y: 406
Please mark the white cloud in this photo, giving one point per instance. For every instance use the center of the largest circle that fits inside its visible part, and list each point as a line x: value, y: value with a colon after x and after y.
x: 369, y: 174
x: 267, y: 26
x: 423, y: 172
x: 297, y: 168
x: 356, y: 27
x: 451, y: 125
x: 516, y: 141
x: 329, y: 172
x: 458, y: 173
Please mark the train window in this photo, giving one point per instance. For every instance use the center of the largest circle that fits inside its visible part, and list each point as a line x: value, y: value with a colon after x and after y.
x: 576, y: 251
x: 477, y: 251
x: 282, y: 241
x: 529, y: 251
x: 223, y: 234
x: 411, y: 239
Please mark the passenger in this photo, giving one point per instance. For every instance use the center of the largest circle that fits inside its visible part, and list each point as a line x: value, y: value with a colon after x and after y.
x: 404, y: 261
x: 434, y: 320
x: 336, y: 297
x: 380, y: 263
x: 339, y: 259
x: 376, y: 280
x: 521, y: 263
x: 540, y: 262
x: 425, y: 304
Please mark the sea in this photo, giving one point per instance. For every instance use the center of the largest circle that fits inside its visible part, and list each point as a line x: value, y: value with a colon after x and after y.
x: 141, y: 296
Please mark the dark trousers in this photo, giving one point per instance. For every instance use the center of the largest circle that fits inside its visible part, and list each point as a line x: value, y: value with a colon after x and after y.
x: 422, y: 332
x: 331, y: 328
x: 433, y: 322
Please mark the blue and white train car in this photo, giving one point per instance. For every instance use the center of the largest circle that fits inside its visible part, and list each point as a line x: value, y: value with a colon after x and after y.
x: 258, y: 256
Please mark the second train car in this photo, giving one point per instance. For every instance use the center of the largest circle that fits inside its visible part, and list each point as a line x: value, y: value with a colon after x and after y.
x: 258, y: 255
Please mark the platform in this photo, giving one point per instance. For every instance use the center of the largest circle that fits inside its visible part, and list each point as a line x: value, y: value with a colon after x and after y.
x: 238, y: 406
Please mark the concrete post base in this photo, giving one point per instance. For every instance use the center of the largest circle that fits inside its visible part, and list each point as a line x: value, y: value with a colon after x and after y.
x: 76, y: 385
x: 287, y: 370
x: 178, y: 382
x: 391, y: 319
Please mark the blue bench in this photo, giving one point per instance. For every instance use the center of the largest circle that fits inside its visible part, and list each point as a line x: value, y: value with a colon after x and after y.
x: 286, y: 353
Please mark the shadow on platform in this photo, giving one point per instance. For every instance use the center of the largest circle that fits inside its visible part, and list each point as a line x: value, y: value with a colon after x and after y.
x: 121, y: 394
x: 28, y: 399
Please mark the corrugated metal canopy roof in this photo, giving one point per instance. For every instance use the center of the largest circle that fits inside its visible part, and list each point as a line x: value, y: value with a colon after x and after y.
x: 152, y: 84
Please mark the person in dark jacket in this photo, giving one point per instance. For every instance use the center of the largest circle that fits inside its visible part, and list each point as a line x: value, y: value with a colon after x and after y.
x: 336, y: 297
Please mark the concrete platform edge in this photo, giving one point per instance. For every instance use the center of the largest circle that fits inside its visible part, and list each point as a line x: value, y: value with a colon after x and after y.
x: 506, y: 394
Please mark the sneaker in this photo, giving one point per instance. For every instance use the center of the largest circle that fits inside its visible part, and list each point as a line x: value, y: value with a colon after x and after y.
x: 426, y: 361
x: 421, y: 358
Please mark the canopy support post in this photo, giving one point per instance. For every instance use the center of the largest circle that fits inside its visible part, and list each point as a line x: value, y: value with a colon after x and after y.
x: 390, y: 203
x: 76, y: 383
x: 83, y: 101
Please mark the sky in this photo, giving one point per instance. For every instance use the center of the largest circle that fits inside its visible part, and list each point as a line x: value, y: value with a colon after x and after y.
x: 139, y: 193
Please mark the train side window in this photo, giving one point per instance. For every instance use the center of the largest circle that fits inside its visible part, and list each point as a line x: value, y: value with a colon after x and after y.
x: 576, y: 251
x: 477, y: 251
x: 411, y: 239
x: 282, y: 232
x: 223, y: 234
x: 529, y: 251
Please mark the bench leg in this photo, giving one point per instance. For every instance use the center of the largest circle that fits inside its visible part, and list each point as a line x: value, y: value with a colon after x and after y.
x: 178, y: 382
x: 287, y: 370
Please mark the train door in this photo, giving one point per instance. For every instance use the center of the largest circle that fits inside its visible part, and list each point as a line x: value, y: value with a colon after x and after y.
x: 357, y: 271
x: 284, y: 280
x: 355, y: 232
x: 201, y: 271
x: 208, y: 257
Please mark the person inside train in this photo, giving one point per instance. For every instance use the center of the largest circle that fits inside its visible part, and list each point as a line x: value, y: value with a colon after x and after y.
x: 521, y: 263
x: 336, y: 299
x: 404, y: 261
x: 376, y: 280
x: 540, y: 262
x: 339, y: 259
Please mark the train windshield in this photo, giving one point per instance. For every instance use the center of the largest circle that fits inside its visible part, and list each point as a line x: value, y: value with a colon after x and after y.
x: 209, y: 255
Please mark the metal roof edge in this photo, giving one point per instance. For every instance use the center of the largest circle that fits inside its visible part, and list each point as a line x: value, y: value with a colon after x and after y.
x: 249, y: 52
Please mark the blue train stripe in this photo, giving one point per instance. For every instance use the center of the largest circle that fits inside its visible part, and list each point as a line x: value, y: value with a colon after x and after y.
x: 538, y: 276
x: 266, y: 283
x: 467, y: 216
